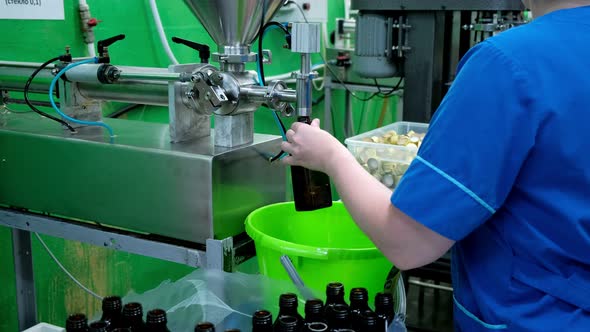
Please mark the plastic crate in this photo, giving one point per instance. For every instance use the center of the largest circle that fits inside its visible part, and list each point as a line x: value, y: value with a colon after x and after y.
x: 44, y: 327
x: 387, y: 162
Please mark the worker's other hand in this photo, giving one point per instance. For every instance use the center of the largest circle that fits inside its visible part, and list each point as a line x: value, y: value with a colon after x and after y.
x: 311, y: 147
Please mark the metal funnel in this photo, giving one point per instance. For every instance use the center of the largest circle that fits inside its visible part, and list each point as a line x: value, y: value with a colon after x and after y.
x: 233, y: 22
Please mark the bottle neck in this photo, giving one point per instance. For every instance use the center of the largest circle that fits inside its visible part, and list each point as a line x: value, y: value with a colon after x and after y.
x: 385, y: 311
x: 109, y: 314
x: 359, y: 305
x: 314, y: 317
x: 335, y: 299
x: 135, y: 320
x: 288, y: 311
x: 262, y: 328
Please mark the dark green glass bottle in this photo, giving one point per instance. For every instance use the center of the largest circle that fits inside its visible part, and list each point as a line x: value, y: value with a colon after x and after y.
x: 205, y: 327
x: 368, y: 322
x: 262, y: 321
x: 287, y: 324
x: 133, y: 317
x: 311, y: 189
x: 156, y: 321
x: 77, y: 323
x: 359, y: 303
x: 98, y: 326
x: 288, y: 304
x: 316, y: 327
x: 338, y: 317
x: 111, y: 311
x: 384, y: 308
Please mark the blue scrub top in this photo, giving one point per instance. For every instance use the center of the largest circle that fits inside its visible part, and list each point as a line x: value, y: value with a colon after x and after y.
x: 505, y: 171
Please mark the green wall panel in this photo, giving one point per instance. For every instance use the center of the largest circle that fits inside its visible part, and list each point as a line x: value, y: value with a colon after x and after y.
x: 103, y: 270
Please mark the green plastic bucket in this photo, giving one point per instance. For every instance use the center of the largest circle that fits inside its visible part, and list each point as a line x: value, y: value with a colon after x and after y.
x: 324, y: 245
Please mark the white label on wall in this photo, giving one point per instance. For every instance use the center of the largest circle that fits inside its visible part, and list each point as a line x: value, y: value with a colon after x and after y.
x: 32, y: 9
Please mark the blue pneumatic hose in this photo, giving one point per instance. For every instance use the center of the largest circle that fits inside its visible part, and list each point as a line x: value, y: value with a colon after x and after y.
x: 63, y: 115
x: 276, y: 117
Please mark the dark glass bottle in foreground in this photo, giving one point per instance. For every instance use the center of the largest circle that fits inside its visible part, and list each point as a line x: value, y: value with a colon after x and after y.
x: 99, y: 326
x: 133, y: 317
x: 156, y: 321
x: 205, y: 327
x: 314, y: 311
x: 368, y: 321
x: 334, y: 294
x: 384, y: 308
x: 287, y: 324
x: 77, y: 323
x: 262, y: 321
x: 311, y: 189
x: 111, y: 311
x: 338, y: 317
x: 316, y: 327
x: 359, y: 303
x: 288, y: 304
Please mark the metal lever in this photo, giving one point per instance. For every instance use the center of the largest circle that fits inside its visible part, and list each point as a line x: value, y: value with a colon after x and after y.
x: 103, y: 47
x: 204, y: 52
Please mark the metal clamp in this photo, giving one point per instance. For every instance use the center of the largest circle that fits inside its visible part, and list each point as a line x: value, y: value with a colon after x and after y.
x: 299, y: 76
x: 206, y: 94
x: 234, y: 58
x: 275, y: 98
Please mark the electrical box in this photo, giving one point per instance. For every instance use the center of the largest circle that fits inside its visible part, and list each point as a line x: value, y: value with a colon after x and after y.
x: 315, y: 11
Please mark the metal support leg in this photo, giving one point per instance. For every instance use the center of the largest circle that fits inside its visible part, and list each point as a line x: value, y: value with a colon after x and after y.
x: 25, y: 285
x: 220, y: 254
x: 348, y: 121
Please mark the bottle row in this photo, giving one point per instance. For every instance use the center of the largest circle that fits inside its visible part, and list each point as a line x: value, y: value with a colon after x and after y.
x: 335, y: 315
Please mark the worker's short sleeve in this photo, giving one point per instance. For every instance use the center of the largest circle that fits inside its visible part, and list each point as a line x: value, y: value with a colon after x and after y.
x: 476, y: 145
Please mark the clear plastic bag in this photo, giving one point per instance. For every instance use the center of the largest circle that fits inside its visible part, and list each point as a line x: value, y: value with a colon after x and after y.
x: 399, y: 321
x: 227, y: 300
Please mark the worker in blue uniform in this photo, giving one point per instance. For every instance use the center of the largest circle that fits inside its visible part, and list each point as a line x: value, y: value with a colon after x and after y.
x: 502, y: 177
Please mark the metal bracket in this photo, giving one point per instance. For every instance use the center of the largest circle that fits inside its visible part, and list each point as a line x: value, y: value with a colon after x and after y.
x: 99, y: 236
x: 402, y: 37
x: 220, y: 254
x: 266, y: 56
x: 25, y: 283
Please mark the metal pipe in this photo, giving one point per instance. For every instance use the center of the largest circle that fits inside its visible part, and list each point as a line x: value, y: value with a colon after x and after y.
x: 288, y: 95
x: 260, y: 93
x: 19, y: 64
x: 144, y: 92
x: 126, y: 74
x: 32, y: 65
x: 255, y: 93
x: 14, y: 75
x: 34, y: 102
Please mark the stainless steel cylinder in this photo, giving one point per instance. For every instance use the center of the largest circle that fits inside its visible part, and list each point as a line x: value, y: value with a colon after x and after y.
x: 14, y: 75
x: 141, y: 92
x: 149, y: 74
x: 90, y: 74
x: 304, y: 87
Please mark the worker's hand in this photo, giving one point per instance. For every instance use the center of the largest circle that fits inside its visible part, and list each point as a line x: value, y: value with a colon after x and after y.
x: 311, y: 147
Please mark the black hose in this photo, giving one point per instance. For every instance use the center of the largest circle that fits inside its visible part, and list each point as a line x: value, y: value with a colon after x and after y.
x: 35, y: 109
